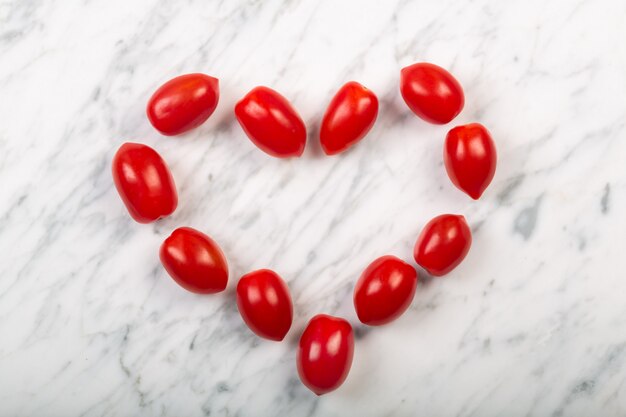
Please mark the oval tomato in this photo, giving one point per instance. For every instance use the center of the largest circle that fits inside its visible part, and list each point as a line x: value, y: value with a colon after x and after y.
x: 384, y: 291
x: 325, y: 353
x: 350, y: 115
x: 271, y: 123
x: 443, y: 244
x: 194, y: 261
x: 470, y: 158
x: 183, y: 103
x: 144, y: 182
x: 265, y: 304
x: 431, y: 92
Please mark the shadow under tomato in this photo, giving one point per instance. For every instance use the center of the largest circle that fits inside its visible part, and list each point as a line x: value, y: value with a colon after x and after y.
x: 293, y: 336
x: 313, y: 148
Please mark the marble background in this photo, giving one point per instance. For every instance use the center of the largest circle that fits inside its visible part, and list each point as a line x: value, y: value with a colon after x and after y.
x: 533, y: 323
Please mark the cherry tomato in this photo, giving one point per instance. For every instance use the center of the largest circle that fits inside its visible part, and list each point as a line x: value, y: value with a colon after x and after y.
x: 443, y: 244
x: 325, y: 353
x: 265, y: 304
x: 470, y: 158
x: 350, y: 115
x: 144, y: 182
x: 183, y: 103
x: 384, y: 291
x: 271, y: 123
x: 431, y: 92
x: 194, y: 261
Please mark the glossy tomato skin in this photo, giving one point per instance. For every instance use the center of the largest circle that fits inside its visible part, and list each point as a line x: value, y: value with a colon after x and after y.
x: 470, y: 158
x: 431, y: 92
x: 183, y: 103
x: 443, y: 244
x: 265, y: 304
x: 349, y: 117
x: 194, y: 261
x: 271, y: 123
x: 325, y: 353
x: 384, y: 291
x: 144, y: 182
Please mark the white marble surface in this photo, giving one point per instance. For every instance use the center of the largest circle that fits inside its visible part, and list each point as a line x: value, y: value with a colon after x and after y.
x: 533, y: 323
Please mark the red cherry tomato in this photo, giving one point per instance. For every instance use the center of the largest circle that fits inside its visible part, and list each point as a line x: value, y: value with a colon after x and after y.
x: 350, y: 115
x: 325, y: 353
x: 470, y: 158
x: 265, y: 304
x: 384, y: 291
x: 183, y: 103
x: 271, y: 123
x: 144, y: 182
x: 443, y: 244
x: 194, y: 261
x: 431, y: 92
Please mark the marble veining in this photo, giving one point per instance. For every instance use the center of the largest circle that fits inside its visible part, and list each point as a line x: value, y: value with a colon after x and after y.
x: 533, y: 323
